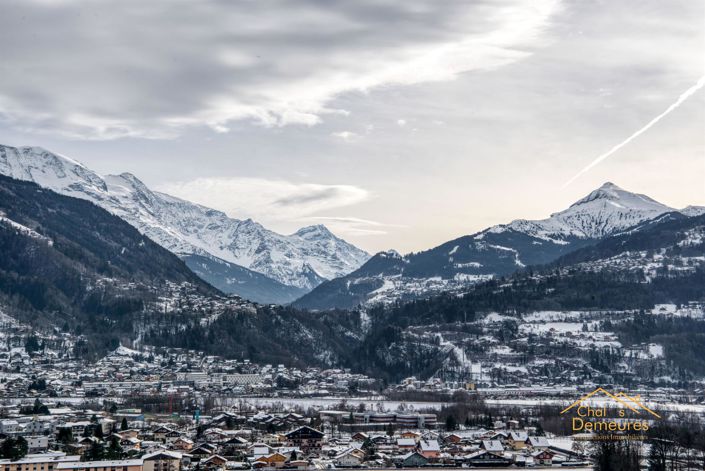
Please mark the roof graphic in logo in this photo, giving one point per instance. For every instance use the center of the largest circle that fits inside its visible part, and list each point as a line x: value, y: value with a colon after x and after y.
x: 624, y: 400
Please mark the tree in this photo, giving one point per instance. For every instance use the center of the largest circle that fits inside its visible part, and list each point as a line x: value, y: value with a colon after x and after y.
x: 114, y: 451
x: 390, y: 430
x: 32, y: 344
x: 613, y: 455
x: 123, y: 424
x: 368, y: 447
x: 96, y: 452
x: 64, y: 436
x: 13, y: 449
x: 451, y: 423
x: 39, y: 408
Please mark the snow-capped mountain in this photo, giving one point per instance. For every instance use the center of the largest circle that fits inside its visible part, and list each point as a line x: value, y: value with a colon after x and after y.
x: 603, y: 212
x: 301, y: 260
x: 496, y: 251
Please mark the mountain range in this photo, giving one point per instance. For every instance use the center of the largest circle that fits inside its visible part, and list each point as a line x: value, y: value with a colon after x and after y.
x: 496, y: 251
x: 312, y: 268
x: 236, y: 256
x: 70, y: 266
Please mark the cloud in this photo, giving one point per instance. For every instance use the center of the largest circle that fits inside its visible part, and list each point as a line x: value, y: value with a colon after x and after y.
x: 347, y: 136
x: 351, y: 226
x: 265, y: 200
x: 401, y: 123
x: 92, y: 69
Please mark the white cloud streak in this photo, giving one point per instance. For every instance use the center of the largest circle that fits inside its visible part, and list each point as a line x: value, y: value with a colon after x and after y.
x: 682, y: 98
x: 266, y: 200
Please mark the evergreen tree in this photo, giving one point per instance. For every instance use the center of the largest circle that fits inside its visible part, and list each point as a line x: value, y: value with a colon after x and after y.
x: 114, y: 451
x: 64, y: 436
x: 13, y: 448
x: 96, y: 452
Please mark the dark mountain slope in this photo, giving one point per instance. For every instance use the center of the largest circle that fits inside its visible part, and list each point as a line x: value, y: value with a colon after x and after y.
x: 65, y: 260
x: 231, y: 278
x: 66, y: 263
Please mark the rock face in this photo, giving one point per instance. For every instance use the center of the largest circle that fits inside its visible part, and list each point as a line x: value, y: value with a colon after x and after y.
x: 496, y: 251
x: 301, y: 260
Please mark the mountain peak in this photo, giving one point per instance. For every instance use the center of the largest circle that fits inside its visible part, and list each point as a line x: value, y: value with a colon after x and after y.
x: 619, y: 198
x: 391, y: 253
x: 316, y: 230
x: 609, y: 186
x: 50, y: 170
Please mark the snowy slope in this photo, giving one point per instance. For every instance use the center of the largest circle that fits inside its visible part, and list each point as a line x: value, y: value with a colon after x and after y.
x: 692, y: 210
x: 301, y: 260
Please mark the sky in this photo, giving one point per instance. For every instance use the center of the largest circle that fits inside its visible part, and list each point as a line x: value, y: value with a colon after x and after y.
x: 397, y: 124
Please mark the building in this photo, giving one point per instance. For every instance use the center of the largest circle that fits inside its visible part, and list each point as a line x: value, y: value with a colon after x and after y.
x: 430, y: 449
x: 308, y: 439
x: 350, y: 458
x: 162, y: 461
x: 108, y: 465
x: 38, y: 462
x: 413, y: 460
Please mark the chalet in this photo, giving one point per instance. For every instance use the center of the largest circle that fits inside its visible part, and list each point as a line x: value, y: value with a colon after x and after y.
x: 160, y: 432
x: 430, y: 449
x: 162, y: 461
x: 492, y: 445
x: 543, y: 457
x: 406, y: 444
x: 517, y: 440
x: 214, y: 462
x: 275, y: 460
x: 350, y: 458
x: 488, y: 459
x: 203, y: 450
x: 235, y: 442
x: 538, y: 442
x: 308, y: 439
x: 413, y: 460
x: 171, y: 436
x: 183, y: 443
x: 131, y: 443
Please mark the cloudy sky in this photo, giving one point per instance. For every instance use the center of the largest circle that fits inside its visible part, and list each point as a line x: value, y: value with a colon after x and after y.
x: 396, y: 123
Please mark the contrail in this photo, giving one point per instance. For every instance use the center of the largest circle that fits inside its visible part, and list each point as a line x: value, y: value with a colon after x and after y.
x: 684, y: 96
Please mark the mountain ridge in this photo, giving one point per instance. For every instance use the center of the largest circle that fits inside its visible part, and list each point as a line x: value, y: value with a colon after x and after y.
x: 301, y: 260
x: 496, y: 251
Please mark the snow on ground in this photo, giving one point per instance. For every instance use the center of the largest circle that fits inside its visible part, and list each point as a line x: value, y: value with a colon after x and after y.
x: 494, y: 317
